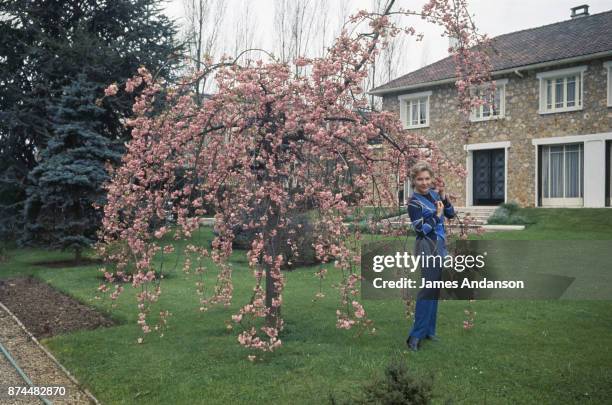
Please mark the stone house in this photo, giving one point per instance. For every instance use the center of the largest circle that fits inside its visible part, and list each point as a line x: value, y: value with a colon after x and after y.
x: 546, y: 140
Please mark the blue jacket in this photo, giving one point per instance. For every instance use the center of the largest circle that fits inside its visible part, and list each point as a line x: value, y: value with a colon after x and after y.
x: 423, y: 216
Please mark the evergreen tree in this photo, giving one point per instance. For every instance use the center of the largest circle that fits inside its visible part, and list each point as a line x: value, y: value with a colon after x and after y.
x: 44, y: 45
x: 59, y: 210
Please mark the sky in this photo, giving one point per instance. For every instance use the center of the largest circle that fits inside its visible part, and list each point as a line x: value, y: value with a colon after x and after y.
x: 493, y: 17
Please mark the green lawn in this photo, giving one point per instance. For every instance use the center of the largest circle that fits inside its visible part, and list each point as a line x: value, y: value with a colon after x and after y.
x: 562, y: 224
x: 518, y: 352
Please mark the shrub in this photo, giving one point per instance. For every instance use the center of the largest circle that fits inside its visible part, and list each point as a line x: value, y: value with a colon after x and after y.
x: 512, y: 207
x: 375, y: 214
x: 507, y: 214
x: 303, y: 238
x: 362, y: 226
x: 396, y: 387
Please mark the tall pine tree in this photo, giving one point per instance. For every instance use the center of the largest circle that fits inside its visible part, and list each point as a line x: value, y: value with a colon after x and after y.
x: 44, y: 44
x: 64, y: 187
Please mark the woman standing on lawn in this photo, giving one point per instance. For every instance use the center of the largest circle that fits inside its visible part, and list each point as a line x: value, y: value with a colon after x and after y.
x: 427, y: 209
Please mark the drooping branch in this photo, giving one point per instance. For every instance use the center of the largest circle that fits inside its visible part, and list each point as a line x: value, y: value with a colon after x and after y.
x: 264, y: 149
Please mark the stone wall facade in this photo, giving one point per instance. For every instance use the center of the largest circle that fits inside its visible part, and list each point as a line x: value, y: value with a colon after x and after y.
x: 522, y: 123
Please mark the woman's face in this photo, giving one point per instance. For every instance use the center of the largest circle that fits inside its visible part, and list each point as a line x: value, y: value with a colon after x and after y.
x: 422, y: 181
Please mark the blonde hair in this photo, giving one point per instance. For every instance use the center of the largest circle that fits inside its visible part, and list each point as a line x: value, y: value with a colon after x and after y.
x: 418, y: 168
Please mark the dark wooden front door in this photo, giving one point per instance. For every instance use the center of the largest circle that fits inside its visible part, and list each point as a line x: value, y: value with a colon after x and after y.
x: 488, y: 180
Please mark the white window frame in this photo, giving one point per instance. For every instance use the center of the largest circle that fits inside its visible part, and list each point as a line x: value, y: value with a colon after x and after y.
x: 594, y: 165
x: 608, y: 67
x: 405, y: 108
x: 556, y: 74
x: 500, y: 85
x: 565, y: 201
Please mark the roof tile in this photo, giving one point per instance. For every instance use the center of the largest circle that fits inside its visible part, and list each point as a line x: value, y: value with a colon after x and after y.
x: 566, y: 39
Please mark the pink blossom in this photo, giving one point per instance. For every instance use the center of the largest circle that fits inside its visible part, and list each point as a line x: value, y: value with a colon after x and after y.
x: 111, y: 90
x: 275, y: 138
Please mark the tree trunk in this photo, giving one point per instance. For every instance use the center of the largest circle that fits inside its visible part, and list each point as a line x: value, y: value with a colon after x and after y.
x: 274, y: 315
x: 271, y: 248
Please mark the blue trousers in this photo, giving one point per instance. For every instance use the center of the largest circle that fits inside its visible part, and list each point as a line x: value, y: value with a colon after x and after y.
x: 426, y: 308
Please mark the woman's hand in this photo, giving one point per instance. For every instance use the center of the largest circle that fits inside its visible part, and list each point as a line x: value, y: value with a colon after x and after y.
x: 441, y: 193
x: 439, y: 208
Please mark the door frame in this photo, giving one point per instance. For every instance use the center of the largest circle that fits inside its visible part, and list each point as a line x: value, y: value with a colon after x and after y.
x: 469, y: 181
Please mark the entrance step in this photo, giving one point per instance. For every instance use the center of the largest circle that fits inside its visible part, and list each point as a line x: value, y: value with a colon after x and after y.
x: 480, y: 213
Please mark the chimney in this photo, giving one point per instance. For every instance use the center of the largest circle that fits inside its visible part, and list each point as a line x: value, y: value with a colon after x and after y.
x: 580, y: 11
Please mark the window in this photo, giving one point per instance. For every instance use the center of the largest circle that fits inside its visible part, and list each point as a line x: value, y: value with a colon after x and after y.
x: 414, y: 109
x: 562, y: 175
x: 495, y: 106
x: 561, y: 90
x: 608, y: 67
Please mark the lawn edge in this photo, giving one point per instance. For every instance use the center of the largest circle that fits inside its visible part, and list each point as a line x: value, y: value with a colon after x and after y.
x: 51, y: 356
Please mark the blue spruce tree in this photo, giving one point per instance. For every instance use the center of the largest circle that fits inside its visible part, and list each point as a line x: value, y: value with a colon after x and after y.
x: 59, y: 209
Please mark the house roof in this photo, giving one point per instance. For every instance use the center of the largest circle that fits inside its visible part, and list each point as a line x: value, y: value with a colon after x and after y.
x: 573, y: 38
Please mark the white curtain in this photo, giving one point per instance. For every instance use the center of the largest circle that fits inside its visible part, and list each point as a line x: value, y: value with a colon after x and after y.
x: 571, y: 91
x: 562, y: 171
x: 545, y: 171
x: 572, y: 171
x: 556, y: 171
x: 422, y: 111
